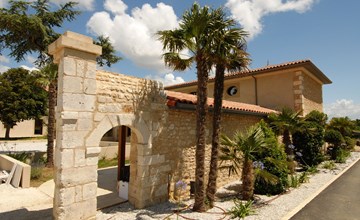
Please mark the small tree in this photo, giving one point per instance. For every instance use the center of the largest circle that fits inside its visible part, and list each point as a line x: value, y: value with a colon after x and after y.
x: 241, y: 150
x: 20, y: 98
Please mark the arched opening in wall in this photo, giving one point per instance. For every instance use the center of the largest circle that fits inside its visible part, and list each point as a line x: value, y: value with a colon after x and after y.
x: 114, y: 166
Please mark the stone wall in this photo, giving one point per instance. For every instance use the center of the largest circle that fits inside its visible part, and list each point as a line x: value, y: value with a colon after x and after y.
x: 177, y: 143
x: 312, y: 95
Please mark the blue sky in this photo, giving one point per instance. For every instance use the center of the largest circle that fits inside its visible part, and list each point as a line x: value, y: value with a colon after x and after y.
x: 325, y: 31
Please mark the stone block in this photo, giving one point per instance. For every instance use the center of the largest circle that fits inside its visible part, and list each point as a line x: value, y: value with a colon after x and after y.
x: 89, y: 190
x: 64, y: 158
x: 69, y: 66
x: 81, y: 66
x: 151, y: 160
x: 143, y: 171
x: 91, y: 70
x: 77, y: 102
x: 77, y: 176
x: 86, y: 115
x: 92, y: 161
x: 71, y: 139
x: 79, y: 157
x: 65, y: 196
x: 69, y: 115
x: 78, y: 193
x: 160, y: 169
x: 85, y: 125
x: 72, y: 84
x: 144, y: 150
x: 93, y: 151
x: 99, y: 116
x: 90, y: 86
x: 161, y: 190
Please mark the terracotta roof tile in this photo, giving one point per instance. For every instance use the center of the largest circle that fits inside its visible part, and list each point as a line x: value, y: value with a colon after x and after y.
x: 178, y: 97
x: 265, y: 69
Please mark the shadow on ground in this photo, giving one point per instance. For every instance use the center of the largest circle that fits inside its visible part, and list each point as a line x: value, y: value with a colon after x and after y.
x: 25, y: 214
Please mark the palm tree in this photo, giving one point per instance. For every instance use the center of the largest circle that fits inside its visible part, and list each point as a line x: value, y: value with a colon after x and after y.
x: 49, y: 79
x: 230, y: 55
x: 241, y: 151
x: 196, y: 35
x: 286, y: 123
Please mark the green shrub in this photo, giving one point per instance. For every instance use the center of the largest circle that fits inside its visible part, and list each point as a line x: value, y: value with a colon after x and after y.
x: 293, y: 181
x: 333, y: 137
x: 350, y: 143
x: 308, y: 141
x: 330, y: 165
x: 23, y: 157
x: 274, y: 159
x: 341, y: 155
x: 241, y: 209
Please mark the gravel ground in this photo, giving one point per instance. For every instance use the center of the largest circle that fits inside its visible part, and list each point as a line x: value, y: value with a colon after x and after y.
x: 274, y: 207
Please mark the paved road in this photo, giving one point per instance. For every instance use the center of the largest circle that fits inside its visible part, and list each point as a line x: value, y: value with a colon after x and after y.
x: 339, y: 201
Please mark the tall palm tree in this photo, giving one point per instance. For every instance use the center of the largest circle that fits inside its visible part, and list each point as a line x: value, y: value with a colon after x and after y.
x: 228, y: 55
x: 49, y: 79
x: 195, y: 34
x: 286, y: 123
x: 241, y: 151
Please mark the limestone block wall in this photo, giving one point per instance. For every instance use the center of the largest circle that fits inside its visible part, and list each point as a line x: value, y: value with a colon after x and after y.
x: 177, y: 143
x: 307, y: 93
x: 312, y: 95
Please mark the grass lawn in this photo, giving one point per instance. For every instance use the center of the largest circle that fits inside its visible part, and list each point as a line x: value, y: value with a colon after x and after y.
x: 40, y: 175
x: 45, y: 175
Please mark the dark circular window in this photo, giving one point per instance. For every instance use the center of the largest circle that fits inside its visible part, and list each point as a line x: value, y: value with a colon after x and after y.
x: 232, y: 90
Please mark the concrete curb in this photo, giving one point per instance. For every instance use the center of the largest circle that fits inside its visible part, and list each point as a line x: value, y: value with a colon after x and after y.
x: 308, y: 200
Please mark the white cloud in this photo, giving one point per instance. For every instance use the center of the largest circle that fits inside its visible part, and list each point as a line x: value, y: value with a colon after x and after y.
x: 167, y: 79
x: 134, y: 34
x: 30, y: 59
x: 342, y: 108
x: 250, y: 12
x: 4, y: 59
x: 115, y: 6
x: 29, y: 68
x: 3, y: 68
x: 3, y: 3
x: 82, y: 4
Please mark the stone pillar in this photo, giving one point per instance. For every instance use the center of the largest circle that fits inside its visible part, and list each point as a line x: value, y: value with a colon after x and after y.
x: 298, y: 92
x: 75, y: 164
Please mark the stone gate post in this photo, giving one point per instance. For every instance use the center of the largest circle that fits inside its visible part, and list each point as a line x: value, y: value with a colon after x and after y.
x: 75, y: 164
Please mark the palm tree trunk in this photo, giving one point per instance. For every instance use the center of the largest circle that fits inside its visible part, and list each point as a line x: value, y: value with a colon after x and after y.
x: 201, y: 109
x: 248, y: 180
x: 218, y: 95
x: 51, y: 124
x: 287, y: 142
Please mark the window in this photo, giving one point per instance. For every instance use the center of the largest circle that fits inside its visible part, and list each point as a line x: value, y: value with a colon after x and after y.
x: 38, y: 127
x: 232, y: 90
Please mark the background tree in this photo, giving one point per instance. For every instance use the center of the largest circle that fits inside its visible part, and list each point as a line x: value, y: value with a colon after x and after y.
x: 229, y: 54
x: 309, y: 139
x: 20, y: 98
x: 194, y: 34
x: 39, y: 23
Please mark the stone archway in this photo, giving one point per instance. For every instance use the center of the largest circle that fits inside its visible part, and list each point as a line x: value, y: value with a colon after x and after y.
x: 142, y: 135
x: 83, y: 116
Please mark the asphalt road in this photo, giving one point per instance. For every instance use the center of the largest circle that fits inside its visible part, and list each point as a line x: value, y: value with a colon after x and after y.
x: 339, y: 201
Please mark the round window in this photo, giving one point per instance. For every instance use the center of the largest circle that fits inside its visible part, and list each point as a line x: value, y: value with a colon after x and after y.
x: 232, y: 90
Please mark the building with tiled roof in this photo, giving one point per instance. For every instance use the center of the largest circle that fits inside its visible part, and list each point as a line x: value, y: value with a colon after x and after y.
x: 296, y: 84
